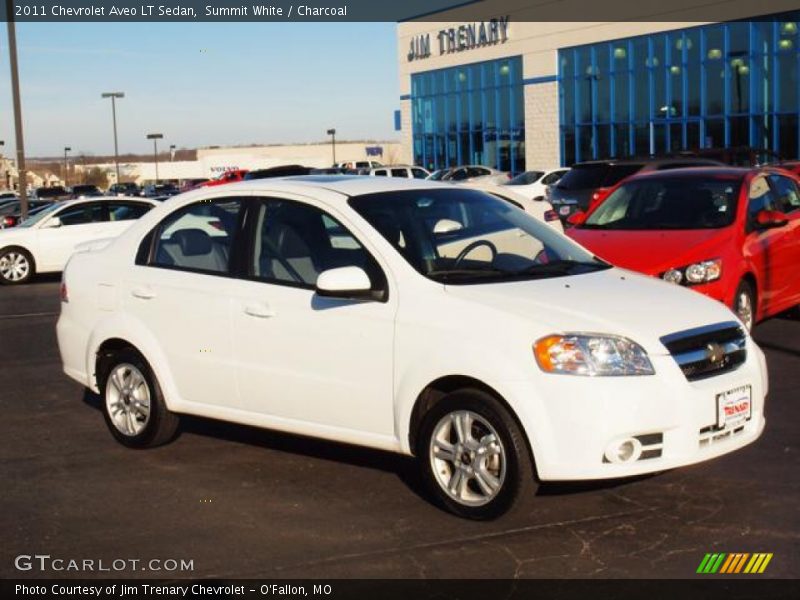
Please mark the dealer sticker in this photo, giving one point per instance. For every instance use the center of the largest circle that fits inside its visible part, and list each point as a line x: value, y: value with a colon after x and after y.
x: 734, y: 407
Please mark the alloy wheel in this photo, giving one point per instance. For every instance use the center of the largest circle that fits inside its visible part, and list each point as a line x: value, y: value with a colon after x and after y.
x: 128, y: 399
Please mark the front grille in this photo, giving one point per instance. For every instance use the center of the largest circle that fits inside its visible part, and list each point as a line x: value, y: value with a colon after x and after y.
x: 708, y: 351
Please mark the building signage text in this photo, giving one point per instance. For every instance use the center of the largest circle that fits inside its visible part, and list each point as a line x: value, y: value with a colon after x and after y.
x: 463, y: 37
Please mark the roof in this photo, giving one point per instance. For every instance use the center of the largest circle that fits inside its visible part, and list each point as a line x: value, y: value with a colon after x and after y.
x: 723, y: 172
x: 348, y: 185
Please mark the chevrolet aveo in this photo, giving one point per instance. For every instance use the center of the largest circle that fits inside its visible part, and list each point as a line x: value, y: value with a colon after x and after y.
x: 415, y: 317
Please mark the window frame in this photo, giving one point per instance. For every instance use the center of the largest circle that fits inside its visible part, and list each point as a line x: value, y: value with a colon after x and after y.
x: 145, y: 254
x: 101, y: 205
x: 247, y: 255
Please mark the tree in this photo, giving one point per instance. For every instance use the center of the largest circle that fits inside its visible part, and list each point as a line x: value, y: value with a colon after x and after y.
x: 96, y: 176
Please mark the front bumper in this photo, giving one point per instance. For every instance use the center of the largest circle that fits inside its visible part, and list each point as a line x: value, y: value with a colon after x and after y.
x: 573, y: 420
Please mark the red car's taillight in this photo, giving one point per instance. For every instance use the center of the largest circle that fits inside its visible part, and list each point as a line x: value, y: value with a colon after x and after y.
x: 9, y: 221
x: 550, y: 215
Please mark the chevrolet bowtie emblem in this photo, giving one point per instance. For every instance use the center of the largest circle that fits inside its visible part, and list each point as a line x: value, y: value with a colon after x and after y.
x: 715, y: 353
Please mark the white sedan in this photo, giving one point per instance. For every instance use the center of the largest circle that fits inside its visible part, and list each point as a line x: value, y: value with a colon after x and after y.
x: 541, y: 209
x: 426, y: 319
x: 534, y: 184
x: 44, y: 242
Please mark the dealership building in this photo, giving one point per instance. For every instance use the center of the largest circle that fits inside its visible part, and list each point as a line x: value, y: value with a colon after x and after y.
x: 510, y: 92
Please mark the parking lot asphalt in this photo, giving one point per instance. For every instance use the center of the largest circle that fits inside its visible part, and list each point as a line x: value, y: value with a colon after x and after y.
x: 242, y: 502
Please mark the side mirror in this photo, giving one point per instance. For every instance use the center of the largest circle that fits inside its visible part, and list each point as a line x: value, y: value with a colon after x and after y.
x: 447, y: 226
x: 577, y: 218
x: 54, y: 222
x: 344, y: 282
x: 770, y: 219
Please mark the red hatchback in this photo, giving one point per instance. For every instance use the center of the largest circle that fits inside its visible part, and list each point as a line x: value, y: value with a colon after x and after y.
x: 730, y: 233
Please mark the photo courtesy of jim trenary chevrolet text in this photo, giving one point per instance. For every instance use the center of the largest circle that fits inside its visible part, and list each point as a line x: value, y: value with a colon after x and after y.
x: 432, y: 299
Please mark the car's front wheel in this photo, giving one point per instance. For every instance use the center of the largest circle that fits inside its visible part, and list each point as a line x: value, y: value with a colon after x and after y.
x: 16, y: 266
x: 133, y: 404
x: 473, y: 456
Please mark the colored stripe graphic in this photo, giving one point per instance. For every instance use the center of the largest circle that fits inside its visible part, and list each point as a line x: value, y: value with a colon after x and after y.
x: 734, y: 563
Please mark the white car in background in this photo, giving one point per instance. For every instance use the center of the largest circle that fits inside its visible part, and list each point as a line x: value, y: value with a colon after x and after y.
x: 44, y: 242
x: 453, y: 327
x: 469, y: 173
x: 541, y: 209
x: 533, y: 184
x: 408, y: 172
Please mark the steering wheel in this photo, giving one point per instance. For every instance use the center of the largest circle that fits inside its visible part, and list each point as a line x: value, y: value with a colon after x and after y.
x: 470, y: 247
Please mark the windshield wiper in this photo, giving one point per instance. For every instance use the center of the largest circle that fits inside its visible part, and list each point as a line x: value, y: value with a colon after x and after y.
x: 447, y: 274
x: 562, y: 267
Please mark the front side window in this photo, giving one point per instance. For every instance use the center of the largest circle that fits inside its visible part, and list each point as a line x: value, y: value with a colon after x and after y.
x: 126, y: 211
x: 199, y: 237
x: 82, y: 214
x: 760, y: 197
x: 668, y: 203
x: 419, y: 173
x: 786, y: 191
x: 464, y: 236
x: 295, y: 242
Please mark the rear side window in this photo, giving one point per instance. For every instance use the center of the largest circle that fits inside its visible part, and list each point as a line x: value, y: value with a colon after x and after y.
x: 553, y: 177
x: 399, y: 173
x: 381, y: 173
x: 198, y: 237
x: 527, y: 178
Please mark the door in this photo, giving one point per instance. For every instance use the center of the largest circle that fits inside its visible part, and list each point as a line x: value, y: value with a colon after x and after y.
x: 787, y: 196
x: 180, y: 290
x: 302, y: 358
x: 769, y: 249
x: 76, y: 223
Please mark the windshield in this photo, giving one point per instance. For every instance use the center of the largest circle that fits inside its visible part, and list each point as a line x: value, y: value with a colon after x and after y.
x: 669, y: 203
x: 526, y: 178
x: 467, y: 236
x: 40, y: 214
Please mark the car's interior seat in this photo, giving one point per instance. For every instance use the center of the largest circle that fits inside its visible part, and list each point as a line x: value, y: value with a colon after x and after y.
x: 193, y: 249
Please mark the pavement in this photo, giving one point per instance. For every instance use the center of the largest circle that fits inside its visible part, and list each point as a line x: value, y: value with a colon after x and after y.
x: 241, y: 502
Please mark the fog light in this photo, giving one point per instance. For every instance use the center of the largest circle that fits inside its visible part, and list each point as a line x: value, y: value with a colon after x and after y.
x: 624, y: 451
x: 673, y: 276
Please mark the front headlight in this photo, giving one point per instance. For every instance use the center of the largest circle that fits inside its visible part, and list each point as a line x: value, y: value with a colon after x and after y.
x: 701, y: 272
x: 592, y: 355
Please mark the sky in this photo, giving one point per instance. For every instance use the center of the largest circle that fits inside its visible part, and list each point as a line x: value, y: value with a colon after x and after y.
x: 199, y: 84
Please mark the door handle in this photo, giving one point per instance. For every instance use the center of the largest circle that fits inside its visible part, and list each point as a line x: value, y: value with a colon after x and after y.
x: 260, y: 310
x: 143, y: 292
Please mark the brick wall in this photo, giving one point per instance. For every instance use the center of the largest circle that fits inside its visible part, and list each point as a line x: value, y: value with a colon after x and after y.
x: 541, y: 126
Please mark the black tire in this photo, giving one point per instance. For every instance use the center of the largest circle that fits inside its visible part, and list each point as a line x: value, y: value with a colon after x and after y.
x: 160, y: 426
x: 745, y: 291
x: 13, y: 252
x: 518, y: 482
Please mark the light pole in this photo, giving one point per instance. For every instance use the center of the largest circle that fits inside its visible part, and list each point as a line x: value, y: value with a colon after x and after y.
x: 66, y: 170
x: 22, y: 175
x: 171, y: 152
x: 114, y: 96
x: 332, y: 133
x: 155, y: 137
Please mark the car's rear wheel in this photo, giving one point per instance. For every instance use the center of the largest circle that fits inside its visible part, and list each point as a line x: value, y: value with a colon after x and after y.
x: 744, y: 304
x: 133, y: 404
x: 473, y: 456
x: 16, y: 266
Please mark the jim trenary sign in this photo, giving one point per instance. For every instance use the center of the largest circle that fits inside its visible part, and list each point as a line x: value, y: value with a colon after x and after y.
x: 464, y: 37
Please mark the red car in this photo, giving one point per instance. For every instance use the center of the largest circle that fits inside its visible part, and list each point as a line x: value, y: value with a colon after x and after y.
x: 730, y: 233
x: 231, y: 176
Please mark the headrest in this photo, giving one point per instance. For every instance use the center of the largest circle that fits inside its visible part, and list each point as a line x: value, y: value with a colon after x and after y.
x: 193, y: 242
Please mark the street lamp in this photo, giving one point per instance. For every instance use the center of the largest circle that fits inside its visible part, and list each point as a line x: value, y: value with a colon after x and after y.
x: 155, y: 137
x: 66, y: 170
x: 114, y: 96
x: 171, y: 152
x: 332, y: 133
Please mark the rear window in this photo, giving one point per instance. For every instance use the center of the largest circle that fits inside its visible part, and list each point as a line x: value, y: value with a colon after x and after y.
x: 581, y: 177
x: 617, y: 173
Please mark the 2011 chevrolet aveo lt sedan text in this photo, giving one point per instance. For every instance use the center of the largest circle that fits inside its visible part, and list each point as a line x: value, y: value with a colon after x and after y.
x: 414, y: 317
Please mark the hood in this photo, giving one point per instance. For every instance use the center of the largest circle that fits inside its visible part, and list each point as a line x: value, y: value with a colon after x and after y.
x: 614, y: 301
x: 652, y: 252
